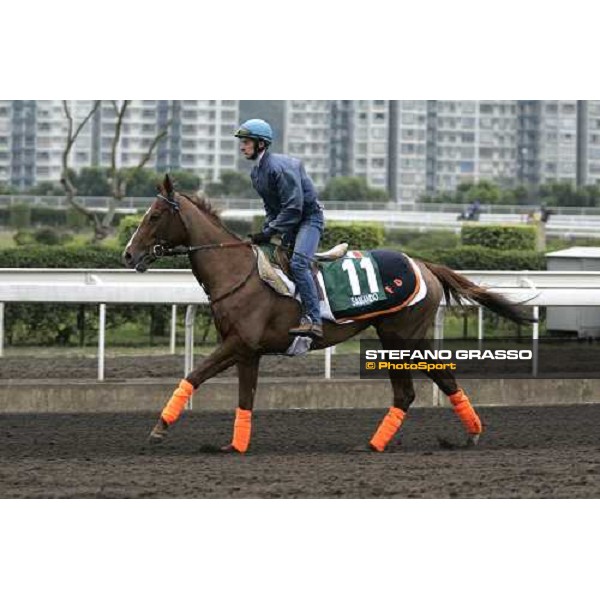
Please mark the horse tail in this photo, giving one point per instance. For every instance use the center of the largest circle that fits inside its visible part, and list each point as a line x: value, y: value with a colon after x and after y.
x: 458, y: 288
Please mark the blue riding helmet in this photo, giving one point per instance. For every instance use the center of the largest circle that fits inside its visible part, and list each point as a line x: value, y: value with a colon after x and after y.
x: 255, y: 129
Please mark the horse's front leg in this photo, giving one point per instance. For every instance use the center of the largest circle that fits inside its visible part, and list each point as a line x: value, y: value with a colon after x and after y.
x: 223, y: 357
x: 247, y: 378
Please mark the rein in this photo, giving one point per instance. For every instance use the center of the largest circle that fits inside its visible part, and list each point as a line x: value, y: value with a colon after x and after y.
x: 160, y: 250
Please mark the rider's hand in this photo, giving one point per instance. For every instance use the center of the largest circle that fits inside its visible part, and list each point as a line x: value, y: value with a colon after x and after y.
x: 260, y: 238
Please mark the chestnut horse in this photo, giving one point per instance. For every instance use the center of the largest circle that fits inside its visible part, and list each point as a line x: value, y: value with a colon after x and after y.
x: 253, y: 320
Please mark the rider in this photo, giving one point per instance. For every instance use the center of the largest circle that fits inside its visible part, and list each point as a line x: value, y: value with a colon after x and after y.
x: 293, y: 211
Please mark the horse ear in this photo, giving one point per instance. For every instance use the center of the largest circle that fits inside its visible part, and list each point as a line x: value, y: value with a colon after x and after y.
x: 168, y: 186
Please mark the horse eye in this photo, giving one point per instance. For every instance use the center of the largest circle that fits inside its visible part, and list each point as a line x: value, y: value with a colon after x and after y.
x: 154, y: 216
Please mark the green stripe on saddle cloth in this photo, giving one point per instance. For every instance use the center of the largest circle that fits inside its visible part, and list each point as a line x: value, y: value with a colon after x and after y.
x: 353, y: 284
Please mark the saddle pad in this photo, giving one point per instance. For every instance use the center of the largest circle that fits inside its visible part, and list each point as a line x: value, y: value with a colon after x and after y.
x: 364, y: 283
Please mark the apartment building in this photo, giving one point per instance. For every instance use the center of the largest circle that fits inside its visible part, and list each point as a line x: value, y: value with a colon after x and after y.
x: 369, y: 138
x: 33, y: 134
x: 590, y: 148
x: 307, y: 136
x: 5, y: 140
x: 409, y: 147
x: 411, y: 160
x: 200, y: 135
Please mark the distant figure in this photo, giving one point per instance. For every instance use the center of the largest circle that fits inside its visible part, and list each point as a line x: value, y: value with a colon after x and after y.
x: 472, y: 212
x: 545, y: 213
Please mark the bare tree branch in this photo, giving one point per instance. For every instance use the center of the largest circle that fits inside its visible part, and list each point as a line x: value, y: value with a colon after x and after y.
x: 65, y: 180
x: 159, y: 136
x: 120, y: 178
x: 120, y: 112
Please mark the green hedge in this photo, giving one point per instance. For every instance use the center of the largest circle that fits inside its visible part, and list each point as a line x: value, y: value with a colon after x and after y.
x: 499, y: 237
x: 422, y: 240
x: 92, y: 257
x: 23, y: 216
x: 66, y: 257
x: 127, y: 227
x: 359, y: 235
x: 486, y: 259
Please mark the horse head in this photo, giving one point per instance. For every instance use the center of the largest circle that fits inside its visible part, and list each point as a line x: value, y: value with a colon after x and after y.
x: 161, y: 227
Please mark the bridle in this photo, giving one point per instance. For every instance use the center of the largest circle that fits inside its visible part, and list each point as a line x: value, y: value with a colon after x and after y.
x: 160, y: 250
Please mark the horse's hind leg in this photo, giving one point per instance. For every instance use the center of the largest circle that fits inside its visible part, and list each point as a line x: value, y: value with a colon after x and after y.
x: 446, y: 381
x: 404, y: 395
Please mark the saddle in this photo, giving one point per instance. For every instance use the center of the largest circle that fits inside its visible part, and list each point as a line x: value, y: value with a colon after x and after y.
x: 272, y: 256
x: 351, y: 285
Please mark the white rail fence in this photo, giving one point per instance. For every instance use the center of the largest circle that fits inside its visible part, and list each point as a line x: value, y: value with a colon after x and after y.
x: 179, y: 288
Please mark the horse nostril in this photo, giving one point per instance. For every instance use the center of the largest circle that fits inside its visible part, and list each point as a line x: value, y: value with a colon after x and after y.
x: 127, y: 257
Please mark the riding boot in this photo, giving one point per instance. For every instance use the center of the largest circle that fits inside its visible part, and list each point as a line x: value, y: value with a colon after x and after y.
x: 308, y: 328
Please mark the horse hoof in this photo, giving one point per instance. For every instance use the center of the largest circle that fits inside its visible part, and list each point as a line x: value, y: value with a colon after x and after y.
x: 371, y: 448
x: 158, y: 433
x: 229, y: 449
x: 473, y: 439
x: 363, y: 448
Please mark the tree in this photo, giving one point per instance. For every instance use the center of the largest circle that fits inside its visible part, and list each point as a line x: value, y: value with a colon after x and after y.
x: 92, y: 181
x: 232, y: 185
x: 66, y: 179
x: 485, y: 191
x: 184, y: 180
x: 45, y: 188
x: 6, y: 189
x: 143, y: 182
x: 352, y: 189
x: 120, y: 178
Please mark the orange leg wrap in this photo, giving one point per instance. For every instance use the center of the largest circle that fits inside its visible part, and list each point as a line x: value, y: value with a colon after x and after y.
x: 242, y: 429
x: 387, y: 428
x: 466, y: 413
x: 178, y: 400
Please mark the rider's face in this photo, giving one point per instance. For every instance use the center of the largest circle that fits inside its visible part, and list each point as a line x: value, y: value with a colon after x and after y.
x: 247, y: 147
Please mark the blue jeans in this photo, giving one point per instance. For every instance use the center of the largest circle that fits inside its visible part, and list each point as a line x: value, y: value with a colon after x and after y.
x: 305, y: 246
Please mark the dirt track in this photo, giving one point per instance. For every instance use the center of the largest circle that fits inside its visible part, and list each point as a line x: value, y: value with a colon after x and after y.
x: 143, y: 366
x: 526, y: 452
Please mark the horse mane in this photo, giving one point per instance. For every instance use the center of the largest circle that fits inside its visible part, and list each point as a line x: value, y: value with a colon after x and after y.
x: 202, y: 204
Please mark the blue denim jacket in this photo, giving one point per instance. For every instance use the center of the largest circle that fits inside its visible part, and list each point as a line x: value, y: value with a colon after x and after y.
x: 288, y: 193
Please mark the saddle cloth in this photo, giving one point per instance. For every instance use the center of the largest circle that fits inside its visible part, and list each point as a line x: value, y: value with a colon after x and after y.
x: 358, y: 286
